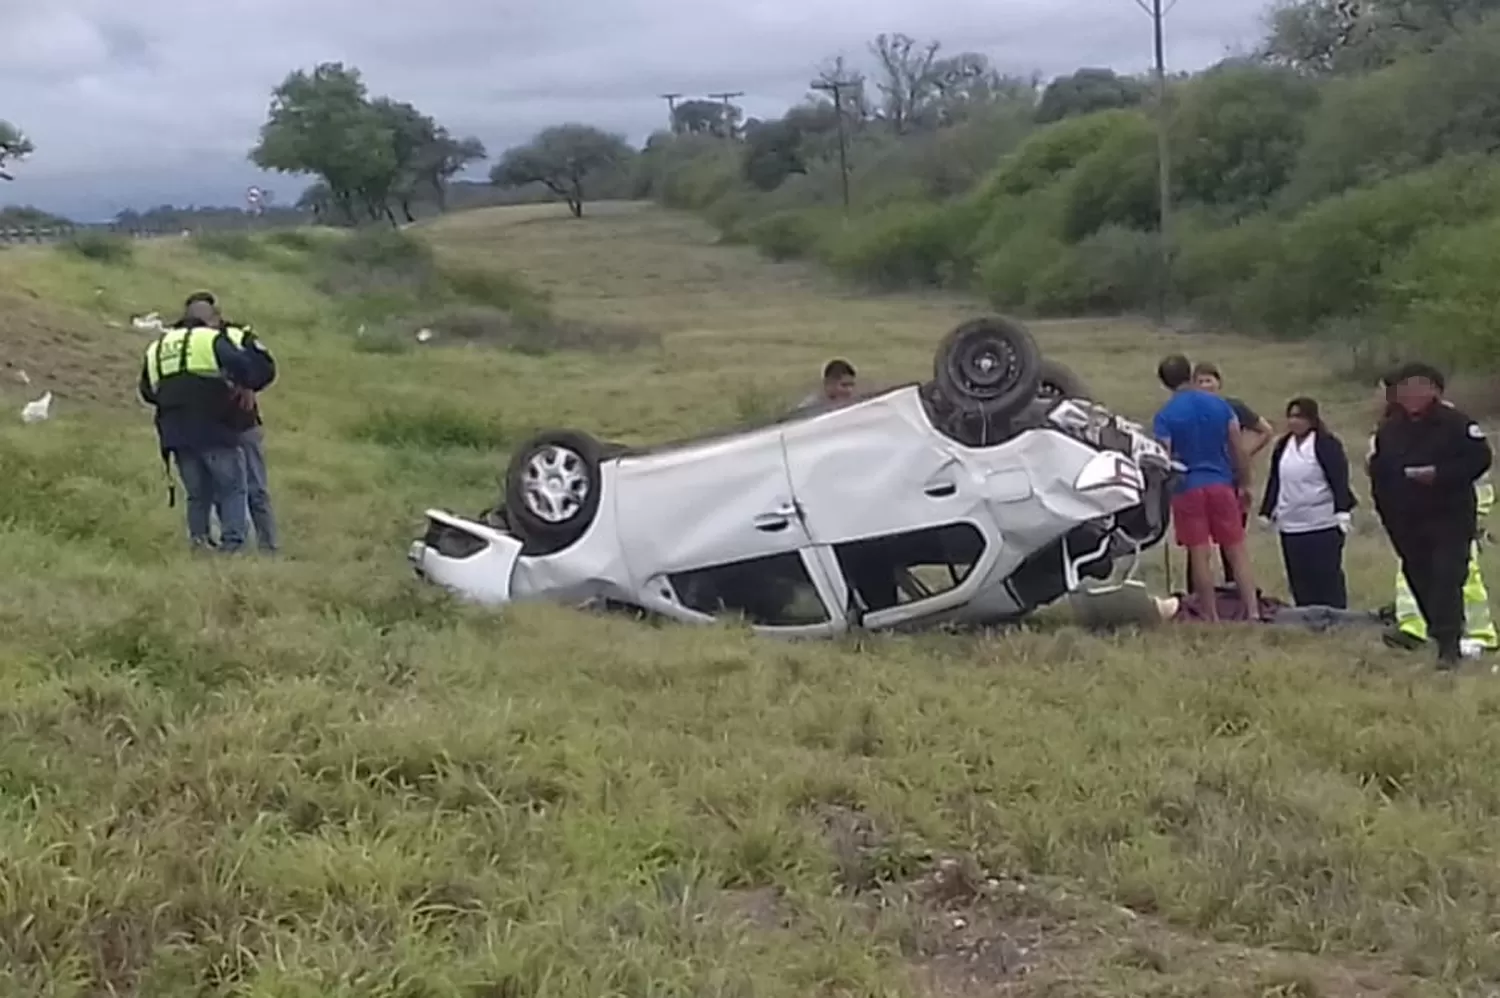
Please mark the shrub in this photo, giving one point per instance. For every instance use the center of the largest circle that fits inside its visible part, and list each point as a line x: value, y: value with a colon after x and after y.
x: 1113, y: 270
x: 900, y: 245
x: 785, y: 235
x: 101, y: 247
x: 1442, y: 297
x: 292, y: 239
x: 234, y: 245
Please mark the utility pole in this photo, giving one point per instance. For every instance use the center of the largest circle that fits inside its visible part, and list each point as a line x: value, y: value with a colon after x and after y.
x: 836, y: 85
x: 728, y: 108
x: 1158, y: 12
x: 671, y: 100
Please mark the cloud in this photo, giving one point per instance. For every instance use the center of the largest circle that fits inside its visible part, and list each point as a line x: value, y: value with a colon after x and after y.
x: 127, y: 103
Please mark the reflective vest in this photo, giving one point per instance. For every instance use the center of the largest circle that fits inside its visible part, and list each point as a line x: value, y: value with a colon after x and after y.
x: 182, y: 351
x: 1479, y: 622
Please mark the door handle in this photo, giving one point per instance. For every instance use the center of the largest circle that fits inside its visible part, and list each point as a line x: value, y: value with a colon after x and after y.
x: 771, y: 523
x: 942, y: 491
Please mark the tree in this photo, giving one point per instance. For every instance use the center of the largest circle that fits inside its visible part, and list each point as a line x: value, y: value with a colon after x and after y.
x: 1237, y: 132
x: 444, y: 159
x: 1087, y: 91
x: 906, y: 78
x: 566, y: 159
x: 14, y: 147
x: 706, y: 117
x: 322, y: 123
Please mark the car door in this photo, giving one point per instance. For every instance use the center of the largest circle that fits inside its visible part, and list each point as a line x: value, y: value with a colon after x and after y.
x: 881, y: 492
x: 710, y: 529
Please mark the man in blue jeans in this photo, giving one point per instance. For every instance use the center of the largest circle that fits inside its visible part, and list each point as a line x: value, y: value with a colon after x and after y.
x: 246, y: 418
x: 191, y: 374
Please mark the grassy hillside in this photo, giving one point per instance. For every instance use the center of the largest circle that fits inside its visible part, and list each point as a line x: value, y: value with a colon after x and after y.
x: 1358, y: 206
x: 308, y: 776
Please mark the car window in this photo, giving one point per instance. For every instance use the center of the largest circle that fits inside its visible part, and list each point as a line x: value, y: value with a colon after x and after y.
x: 896, y: 569
x: 775, y: 591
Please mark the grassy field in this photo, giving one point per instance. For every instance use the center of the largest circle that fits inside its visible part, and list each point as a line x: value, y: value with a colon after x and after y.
x: 310, y: 777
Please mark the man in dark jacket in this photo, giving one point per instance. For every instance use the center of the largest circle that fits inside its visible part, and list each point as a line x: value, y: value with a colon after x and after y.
x: 246, y: 418
x: 1426, y: 458
x: 191, y: 374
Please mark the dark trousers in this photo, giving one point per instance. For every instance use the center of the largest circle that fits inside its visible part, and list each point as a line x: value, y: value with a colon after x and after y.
x: 1434, y: 554
x: 1315, y: 568
x: 1228, y: 572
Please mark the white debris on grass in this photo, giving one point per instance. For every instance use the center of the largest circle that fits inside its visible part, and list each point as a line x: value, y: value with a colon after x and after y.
x: 150, y: 321
x: 423, y: 335
x: 35, y: 412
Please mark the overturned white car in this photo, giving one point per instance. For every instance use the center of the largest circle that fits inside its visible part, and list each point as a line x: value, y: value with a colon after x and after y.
x: 975, y: 498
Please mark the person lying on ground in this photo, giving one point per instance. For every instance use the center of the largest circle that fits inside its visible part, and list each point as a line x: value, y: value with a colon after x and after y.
x: 1134, y: 606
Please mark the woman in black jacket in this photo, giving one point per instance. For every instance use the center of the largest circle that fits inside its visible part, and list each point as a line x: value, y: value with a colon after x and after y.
x: 1309, y: 502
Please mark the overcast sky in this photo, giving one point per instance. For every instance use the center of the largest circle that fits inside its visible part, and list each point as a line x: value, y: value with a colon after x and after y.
x: 137, y: 103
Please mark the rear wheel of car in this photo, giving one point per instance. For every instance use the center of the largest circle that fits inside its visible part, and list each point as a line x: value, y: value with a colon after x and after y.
x: 988, y: 367
x: 552, y: 489
x: 1059, y: 381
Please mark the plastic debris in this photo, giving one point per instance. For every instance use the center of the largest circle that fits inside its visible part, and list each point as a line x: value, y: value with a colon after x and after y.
x: 23, y: 377
x: 423, y: 335
x: 151, y: 321
x: 35, y: 412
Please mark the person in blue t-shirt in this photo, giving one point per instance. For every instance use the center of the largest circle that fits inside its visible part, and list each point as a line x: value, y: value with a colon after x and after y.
x: 1203, y: 433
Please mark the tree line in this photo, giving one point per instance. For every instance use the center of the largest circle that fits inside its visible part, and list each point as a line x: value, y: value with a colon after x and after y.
x: 1339, y: 181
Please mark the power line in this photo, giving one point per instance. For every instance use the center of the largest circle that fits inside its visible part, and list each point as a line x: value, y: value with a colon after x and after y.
x: 1158, y: 12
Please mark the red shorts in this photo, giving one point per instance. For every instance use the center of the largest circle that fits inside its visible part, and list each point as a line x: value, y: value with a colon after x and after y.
x: 1208, y: 514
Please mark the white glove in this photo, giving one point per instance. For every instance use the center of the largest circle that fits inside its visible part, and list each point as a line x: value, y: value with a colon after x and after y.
x: 1346, y: 521
x: 1265, y: 521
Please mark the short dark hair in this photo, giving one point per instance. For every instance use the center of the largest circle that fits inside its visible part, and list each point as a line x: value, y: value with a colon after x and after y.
x: 1417, y: 369
x: 1205, y: 369
x: 1174, y: 371
x: 204, y: 296
x: 837, y: 368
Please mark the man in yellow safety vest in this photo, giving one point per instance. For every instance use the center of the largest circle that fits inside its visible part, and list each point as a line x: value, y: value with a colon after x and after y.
x: 247, y: 420
x: 193, y: 375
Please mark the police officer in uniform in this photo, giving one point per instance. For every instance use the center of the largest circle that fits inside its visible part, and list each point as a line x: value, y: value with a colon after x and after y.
x: 1423, y: 468
x: 191, y: 373
x: 247, y: 420
x: 1410, y: 630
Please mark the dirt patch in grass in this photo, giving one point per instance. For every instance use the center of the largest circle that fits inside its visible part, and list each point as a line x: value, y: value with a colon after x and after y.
x: 72, y: 355
x: 967, y: 932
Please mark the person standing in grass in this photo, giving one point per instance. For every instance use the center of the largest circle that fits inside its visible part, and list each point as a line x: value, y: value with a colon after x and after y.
x: 837, y: 388
x: 1426, y: 461
x: 1410, y: 630
x: 246, y: 418
x: 190, y: 374
x: 1255, y: 430
x: 1310, y: 504
x: 1203, y: 434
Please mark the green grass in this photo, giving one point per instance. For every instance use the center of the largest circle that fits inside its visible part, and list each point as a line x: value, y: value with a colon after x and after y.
x: 310, y: 776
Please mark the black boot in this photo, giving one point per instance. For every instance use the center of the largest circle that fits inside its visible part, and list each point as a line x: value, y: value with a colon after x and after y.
x: 1449, y: 655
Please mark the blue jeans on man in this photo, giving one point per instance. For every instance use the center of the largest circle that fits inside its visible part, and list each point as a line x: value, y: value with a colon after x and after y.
x: 214, y: 481
x: 252, y: 445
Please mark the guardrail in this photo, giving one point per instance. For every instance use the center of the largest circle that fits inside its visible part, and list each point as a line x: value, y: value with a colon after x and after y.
x: 32, y: 234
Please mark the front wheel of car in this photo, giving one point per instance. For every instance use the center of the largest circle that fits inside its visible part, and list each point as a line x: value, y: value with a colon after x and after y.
x: 988, y: 367
x: 552, y: 489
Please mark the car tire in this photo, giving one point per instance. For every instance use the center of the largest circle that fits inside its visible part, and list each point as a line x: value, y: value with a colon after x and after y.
x: 988, y: 367
x: 552, y: 489
x: 1059, y: 381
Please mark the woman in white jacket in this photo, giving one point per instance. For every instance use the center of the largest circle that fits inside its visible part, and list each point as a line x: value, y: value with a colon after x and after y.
x: 1309, y: 502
